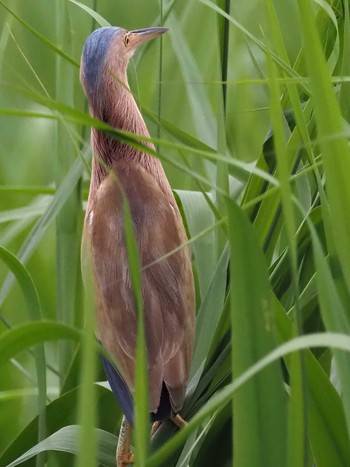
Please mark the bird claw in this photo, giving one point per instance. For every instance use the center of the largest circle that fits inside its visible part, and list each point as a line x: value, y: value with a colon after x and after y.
x: 124, y: 456
x: 125, y: 459
x: 178, y: 421
x: 155, y: 427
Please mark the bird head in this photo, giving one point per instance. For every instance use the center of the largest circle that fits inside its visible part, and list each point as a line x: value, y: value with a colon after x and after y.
x: 110, y: 48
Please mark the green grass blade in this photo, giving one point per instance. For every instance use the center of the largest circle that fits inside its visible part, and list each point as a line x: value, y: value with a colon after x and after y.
x: 68, y: 240
x: 87, y: 359
x: 199, y: 103
x: 198, y: 218
x: 141, y: 397
x: 334, y: 315
x: 334, y: 340
x: 222, y: 174
x: 176, y: 132
x: 255, y: 40
x: 66, y: 440
x: 26, y: 113
x: 27, y: 212
x: 32, y: 299
x: 333, y: 143
x: 36, y: 234
x: 133, y: 140
x: 98, y: 18
x: 344, y: 95
x: 326, y: 421
x: 41, y: 37
x: 260, y: 410
x: 25, y: 336
x: 296, y: 419
x: 25, y: 281
x: 336, y: 157
x: 61, y: 412
x: 69, y: 219
x: 87, y: 453
x: 210, y: 312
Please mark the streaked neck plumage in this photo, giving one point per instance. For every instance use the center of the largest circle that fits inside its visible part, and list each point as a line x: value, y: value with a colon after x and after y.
x: 117, y: 107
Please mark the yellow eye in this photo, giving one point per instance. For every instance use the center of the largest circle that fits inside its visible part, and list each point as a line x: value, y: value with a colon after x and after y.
x: 126, y: 40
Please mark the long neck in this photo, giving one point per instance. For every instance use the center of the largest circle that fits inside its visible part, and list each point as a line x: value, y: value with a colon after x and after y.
x: 117, y: 107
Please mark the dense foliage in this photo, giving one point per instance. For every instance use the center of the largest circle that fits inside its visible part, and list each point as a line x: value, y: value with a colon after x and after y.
x: 248, y: 104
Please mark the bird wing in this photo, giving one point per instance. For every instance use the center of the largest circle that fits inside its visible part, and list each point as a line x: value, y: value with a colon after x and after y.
x: 167, y: 283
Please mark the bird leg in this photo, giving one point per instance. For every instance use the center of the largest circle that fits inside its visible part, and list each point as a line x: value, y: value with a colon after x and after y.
x: 155, y: 427
x: 178, y: 420
x: 124, y: 456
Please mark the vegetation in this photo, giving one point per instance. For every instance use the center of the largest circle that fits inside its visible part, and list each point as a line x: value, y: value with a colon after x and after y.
x: 248, y: 105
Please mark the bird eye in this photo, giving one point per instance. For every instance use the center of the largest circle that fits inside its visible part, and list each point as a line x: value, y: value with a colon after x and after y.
x: 126, y: 40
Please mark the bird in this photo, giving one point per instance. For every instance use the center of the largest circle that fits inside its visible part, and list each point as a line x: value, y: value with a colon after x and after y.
x: 167, y: 286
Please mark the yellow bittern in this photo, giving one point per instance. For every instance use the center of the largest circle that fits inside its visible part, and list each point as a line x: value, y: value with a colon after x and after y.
x: 120, y: 170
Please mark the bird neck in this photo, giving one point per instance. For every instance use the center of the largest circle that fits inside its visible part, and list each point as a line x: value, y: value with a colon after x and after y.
x: 117, y: 107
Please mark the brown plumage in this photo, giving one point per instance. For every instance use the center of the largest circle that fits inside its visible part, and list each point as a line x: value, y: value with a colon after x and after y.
x: 118, y: 170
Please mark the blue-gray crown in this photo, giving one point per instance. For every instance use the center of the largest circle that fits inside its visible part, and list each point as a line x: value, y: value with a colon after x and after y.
x: 94, y: 55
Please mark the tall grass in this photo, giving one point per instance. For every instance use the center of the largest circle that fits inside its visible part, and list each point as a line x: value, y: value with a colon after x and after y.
x: 248, y: 103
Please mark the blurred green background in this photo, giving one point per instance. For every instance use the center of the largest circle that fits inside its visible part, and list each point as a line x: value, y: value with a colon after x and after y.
x: 215, y: 97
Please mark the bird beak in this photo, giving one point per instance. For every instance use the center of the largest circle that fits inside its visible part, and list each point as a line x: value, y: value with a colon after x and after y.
x: 139, y: 36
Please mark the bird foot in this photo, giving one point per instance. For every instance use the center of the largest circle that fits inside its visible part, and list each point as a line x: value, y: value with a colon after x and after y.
x: 178, y: 421
x: 125, y: 459
x: 124, y: 456
x: 155, y: 427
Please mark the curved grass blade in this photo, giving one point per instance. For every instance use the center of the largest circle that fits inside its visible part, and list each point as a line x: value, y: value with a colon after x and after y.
x: 27, y: 212
x: 41, y: 37
x: 133, y: 140
x: 33, y: 239
x: 98, y: 18
x: 260, y: 409
x: 336, y: 157
x: 333, y: 143
x: 198, y: 218
x: 25, y: 281
x: 61, y: 412
x: 290, y: 71
x: 66, y: 440
x: 326, y: 421
x: 25, y: 336
x: 297, y: 415
x: 210, y: 312
x: 221, y: 398
x: 86, y: 355
x: 199, y: 102
x: 32, y: 299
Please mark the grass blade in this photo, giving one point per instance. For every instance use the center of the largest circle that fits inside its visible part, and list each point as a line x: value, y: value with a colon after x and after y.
x: 41, y: 37
x: 260, y: 410
x: 221, y: 398
x: 141, y: 398
x: 25, y: 336
x: 98, y: 18
x: 66, y: 440
x: 31, y: 296
x: 336, y: 158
